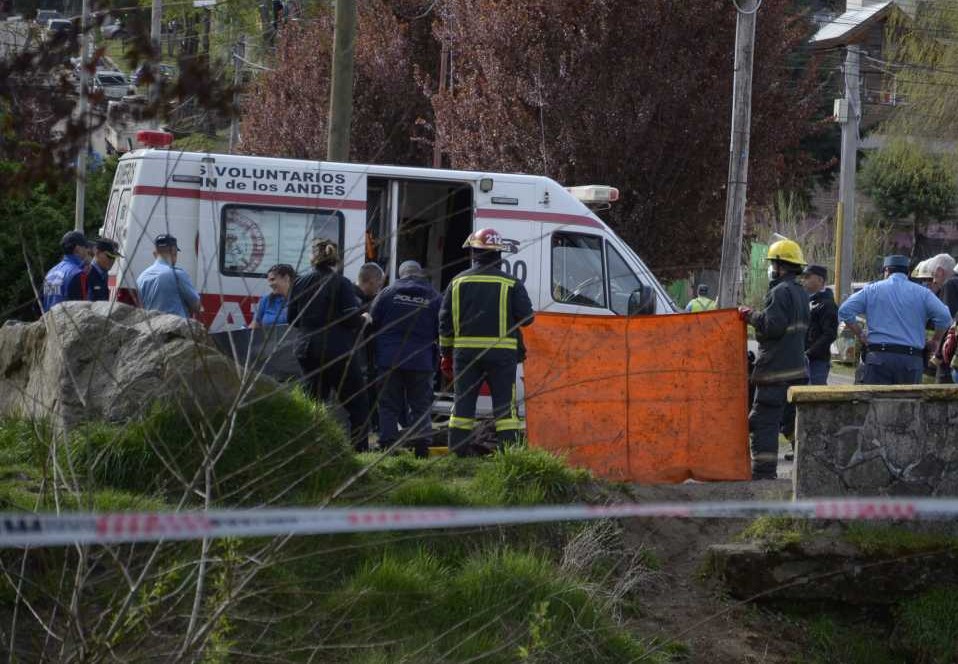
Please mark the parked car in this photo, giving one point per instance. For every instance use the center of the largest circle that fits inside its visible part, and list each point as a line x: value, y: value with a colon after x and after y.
x: 164, y: 72
x: 44, y: 16
x: 58, y: 26
x: 114, y: 30
x: 113, y: 84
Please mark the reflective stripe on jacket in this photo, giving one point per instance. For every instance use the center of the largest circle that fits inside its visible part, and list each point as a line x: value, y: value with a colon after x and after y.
x: 483, y: 308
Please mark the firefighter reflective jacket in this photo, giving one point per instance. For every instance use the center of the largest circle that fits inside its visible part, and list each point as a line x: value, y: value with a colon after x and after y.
x: 483, y: 309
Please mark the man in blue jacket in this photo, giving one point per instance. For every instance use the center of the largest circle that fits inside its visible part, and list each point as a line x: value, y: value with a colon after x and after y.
x: 67, y: 279
x: 405, y: 323
x: 896, y: 311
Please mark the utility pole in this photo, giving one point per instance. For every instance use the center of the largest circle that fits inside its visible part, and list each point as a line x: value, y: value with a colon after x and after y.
x: 156, y: 18
x: 849, y: 115
x: 341, y: 86
x: 738, y: 153
x: 239, y: 53
x: 443, y: 75
x: 85, y: 44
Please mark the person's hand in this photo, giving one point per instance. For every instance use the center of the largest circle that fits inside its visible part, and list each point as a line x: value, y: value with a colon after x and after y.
x: 445, y: 366
x: 745, y: 313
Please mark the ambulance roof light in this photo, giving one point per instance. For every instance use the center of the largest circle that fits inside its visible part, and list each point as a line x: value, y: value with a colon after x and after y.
x: 154, y: 139
x: 595, y: 194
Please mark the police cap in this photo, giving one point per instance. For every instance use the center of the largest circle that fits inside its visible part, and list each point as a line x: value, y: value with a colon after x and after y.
x: 74, y: 239
x: 164, y: 241
x: 109, y: 247
x: 895, y: 260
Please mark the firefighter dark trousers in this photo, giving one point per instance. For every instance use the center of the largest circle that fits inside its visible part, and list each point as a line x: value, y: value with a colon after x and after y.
x: 471, y: 369
x: 764, y: 422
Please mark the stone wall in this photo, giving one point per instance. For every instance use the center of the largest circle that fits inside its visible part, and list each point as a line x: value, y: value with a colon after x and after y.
x: 858, y: 440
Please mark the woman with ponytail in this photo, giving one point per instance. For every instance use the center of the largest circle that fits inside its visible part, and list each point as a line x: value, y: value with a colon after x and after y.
x: 323, y: 306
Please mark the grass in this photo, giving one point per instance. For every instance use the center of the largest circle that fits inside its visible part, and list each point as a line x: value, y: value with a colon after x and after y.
x: 514, y: 476
x: 495, y: 594
x: 928, y: 627
x: 831, y: 643
x: 500, y: 604
x: 775, y: 532
x: 527, y: 476
x: 283, y: 448
x: 889, y: 540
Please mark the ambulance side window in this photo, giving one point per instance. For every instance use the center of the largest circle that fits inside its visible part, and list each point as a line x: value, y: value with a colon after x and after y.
x: 253, y: 239
x: 577, y: 270
x: 622, y: 281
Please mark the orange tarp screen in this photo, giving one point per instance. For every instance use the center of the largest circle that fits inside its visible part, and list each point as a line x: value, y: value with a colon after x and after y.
x: 651, y: 399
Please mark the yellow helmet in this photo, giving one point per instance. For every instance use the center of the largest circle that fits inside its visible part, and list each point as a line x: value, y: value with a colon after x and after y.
x: 786, y: 251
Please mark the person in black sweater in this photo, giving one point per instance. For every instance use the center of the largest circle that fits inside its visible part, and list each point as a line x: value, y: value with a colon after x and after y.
x: 822, y: 324
x: 323, y: 305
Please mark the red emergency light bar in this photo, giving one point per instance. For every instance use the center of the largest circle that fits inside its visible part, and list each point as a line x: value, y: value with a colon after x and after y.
x: 154, y: 139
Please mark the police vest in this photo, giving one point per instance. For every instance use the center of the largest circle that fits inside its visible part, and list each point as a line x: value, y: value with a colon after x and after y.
x: 56, y: 284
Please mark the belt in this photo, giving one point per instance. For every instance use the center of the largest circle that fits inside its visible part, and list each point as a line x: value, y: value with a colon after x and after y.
x: 894, y: 348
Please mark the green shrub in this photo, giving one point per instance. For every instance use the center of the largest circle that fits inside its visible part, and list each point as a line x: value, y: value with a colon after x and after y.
x: 526, y: 476
x: 276, y: 449
x: 929, y: 627
x: 775, y: 532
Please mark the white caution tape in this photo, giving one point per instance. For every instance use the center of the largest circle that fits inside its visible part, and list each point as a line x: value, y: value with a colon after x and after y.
x: 27, y: 529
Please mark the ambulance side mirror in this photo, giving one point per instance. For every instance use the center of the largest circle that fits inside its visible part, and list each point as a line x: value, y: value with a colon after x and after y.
x: 642, y: 301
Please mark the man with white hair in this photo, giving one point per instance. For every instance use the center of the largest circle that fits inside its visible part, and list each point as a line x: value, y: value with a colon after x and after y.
x: 942, y: 270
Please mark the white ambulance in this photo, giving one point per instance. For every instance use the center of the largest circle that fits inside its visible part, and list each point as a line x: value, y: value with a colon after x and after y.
x: 235, y: 216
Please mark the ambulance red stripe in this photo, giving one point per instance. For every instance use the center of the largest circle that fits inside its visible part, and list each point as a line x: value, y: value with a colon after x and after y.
x: 237, y: 197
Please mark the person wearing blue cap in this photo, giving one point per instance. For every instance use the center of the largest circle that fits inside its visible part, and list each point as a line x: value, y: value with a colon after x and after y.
x: 105, y: 253
x: 896, y: 311
x: 165, y: 287
x: 67, y: 279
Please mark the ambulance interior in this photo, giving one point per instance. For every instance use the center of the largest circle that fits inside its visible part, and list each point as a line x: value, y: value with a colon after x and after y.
x: 433, y: 218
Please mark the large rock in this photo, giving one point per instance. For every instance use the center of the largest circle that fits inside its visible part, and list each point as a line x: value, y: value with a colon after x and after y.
x: 866, y: 440
x: 88, y: 361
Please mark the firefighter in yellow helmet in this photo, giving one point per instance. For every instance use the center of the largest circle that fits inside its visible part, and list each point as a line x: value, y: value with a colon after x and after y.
x: 780, y: 329
x: 482, y: 310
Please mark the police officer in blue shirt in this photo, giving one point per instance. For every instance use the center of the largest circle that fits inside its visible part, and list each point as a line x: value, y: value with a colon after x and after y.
x: 405, y: 322
x: 67, y: 279
x: 105, y: 253
x: 896, y: 311
x: 165, y: 287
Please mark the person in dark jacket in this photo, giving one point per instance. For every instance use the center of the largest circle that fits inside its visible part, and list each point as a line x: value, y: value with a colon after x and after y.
x: 369, y: 283
x: 405, y: 322
x: 482, y: 310
x: 822, y: 324
x: 105, y: 253
x: 780, y: 329
x: 323, y: 306
x: 822, y: 331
